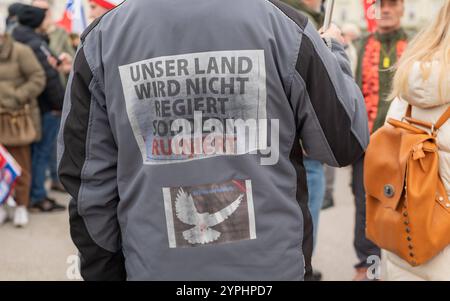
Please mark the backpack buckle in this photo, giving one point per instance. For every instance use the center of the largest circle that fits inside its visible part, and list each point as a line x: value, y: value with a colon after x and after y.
x: 389, y: 191
x: 433, y: 129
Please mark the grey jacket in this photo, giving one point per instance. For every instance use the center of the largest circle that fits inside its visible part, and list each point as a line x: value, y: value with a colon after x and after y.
x: 156, y: 86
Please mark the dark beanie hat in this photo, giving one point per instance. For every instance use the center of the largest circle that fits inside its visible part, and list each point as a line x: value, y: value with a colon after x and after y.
x: 13, y: 9
x: 31, y: 16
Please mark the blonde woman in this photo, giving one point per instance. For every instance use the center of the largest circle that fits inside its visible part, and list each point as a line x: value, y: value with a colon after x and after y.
x: 423, y: 80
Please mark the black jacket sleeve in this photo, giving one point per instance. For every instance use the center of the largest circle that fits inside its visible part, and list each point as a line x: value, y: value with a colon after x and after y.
x: 88, y: 170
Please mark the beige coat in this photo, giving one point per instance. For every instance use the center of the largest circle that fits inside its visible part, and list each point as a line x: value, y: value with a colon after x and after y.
x: 423, y: 95
x: 22, y: 78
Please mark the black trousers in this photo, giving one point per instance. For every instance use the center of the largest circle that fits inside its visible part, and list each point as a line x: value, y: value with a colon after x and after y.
x: 364, y: 247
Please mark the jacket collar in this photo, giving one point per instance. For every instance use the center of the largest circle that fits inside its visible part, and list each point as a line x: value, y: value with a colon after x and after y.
x: 317, y: 16
x: 299, y: 5
x: 397, y: 35
x: 24, y: 34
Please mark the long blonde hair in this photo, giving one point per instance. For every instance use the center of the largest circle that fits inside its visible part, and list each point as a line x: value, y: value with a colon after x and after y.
x: 432, y: 43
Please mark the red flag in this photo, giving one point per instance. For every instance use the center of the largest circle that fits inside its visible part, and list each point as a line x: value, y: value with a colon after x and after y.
x: 9, y: 172
x: 66, y: 21
x: 74, y: 19
x: 371, y: 12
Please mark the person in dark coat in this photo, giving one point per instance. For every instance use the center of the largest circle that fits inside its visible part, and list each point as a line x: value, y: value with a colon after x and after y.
x: 31, y: 31
x: 11, y: 20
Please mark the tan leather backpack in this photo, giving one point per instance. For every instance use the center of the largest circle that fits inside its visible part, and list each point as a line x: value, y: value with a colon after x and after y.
x: 408, y: 210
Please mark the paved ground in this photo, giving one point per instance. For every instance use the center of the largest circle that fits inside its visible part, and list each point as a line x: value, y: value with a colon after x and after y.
x: 335, y: 256
x: 41, y: 251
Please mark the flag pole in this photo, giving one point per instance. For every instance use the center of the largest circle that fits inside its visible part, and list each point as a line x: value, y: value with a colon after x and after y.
x: 328, y: 14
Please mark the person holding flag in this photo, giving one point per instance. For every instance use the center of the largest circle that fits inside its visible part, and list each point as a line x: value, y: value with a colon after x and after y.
x: 74, y: 18
x: 32, y: 32
x: 59, y: 38
x: 378, y: 53
x: 61, y: 45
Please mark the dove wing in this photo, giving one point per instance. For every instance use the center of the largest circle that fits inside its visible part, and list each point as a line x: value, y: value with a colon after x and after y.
x: 220, y: 216
x: 185, y: 208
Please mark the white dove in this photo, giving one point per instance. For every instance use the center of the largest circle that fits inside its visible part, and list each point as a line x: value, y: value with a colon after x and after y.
x: 202, y: 232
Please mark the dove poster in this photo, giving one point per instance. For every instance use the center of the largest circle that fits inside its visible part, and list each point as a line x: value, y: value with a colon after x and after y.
x: 209, y: 214
x: 192, y: 98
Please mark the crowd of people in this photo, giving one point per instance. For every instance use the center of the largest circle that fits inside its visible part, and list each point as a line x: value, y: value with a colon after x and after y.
x: 421, y: 80
x: 391, y: 66
x: 35, y: 60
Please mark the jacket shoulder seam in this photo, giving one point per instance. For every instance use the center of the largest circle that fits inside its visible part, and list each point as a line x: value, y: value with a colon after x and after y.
x: 299, y: 40
x: 278, y: 5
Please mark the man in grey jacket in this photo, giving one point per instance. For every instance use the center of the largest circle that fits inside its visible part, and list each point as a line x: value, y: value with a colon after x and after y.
x: 179, y: 143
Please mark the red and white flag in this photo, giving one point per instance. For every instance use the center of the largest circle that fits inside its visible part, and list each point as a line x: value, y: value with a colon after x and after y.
x: 108, y: 4
x: 372, y: 13
x: 74, y: 18
x: 9, y: 172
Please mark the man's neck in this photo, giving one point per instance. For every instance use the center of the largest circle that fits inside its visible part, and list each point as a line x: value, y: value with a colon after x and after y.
x: 384, y: 31
x: 39, y: 31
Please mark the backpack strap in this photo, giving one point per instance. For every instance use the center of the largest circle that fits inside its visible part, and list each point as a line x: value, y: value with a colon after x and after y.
x: 409, y: 111
x: 443, y: 119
